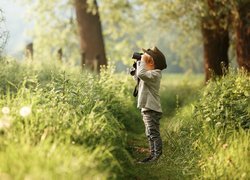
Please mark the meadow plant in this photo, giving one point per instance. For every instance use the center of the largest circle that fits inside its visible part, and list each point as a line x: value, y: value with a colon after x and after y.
x: 223, y: 141
x: 225, y: 102
x: 65, y: 123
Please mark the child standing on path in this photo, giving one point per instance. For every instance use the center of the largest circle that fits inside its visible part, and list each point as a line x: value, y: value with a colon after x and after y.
x: 149, y: 77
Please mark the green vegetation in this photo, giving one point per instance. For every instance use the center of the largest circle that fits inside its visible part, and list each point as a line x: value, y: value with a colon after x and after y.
x: 224, y: 104
x: 60, y: 122
x: 63, y: 124
x: 192, y: 148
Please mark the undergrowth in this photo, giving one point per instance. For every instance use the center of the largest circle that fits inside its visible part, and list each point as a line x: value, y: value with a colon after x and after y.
x: 63, y: 123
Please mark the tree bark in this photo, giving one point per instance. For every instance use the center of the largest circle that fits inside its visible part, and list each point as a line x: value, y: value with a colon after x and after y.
x: 29, y: 51
x: 243, y: 36
x: 215, y: 44
x: 60, y: 54
x: 215, y: 40
x: 91, y: 39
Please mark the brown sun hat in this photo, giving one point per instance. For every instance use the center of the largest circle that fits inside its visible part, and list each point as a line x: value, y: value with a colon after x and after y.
x: 158, y: 56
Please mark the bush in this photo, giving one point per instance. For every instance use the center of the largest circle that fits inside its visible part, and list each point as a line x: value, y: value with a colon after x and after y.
x: 223, y: 139
x: 225, y: 102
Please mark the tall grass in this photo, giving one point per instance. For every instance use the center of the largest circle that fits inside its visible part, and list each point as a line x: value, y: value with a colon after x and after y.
x: 179, y: 160
x: 62, y: 123
x: 225, y: 119
x: 195, y: 148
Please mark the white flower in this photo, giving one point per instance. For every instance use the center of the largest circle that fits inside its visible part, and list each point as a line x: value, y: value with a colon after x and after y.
x: 5, y: 110
x: 25, y: 111
x: 4, y: 124
x: 218, y: 124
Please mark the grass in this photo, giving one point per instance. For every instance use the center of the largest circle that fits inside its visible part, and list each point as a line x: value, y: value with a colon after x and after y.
x: 63, y: 123
x: 192, y: 150
x: 177, y: 93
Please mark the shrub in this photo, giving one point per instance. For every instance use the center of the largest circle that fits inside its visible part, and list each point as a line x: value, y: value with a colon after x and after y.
x: 225, y: 102
x: 223, y: 113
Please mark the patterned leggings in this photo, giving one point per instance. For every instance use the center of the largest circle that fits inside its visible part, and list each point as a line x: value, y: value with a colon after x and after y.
x: 151, y: 121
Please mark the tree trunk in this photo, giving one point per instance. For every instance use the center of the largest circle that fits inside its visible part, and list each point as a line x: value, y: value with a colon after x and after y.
x: 215, y: 39
x: 29, y: 51
x: 60, y: 54
x: 216, y: 44
x: 91, y: 39
x: 243, y: 36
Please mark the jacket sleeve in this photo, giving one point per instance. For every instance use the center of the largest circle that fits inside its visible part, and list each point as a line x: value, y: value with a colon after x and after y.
x: 144, y: 74
x: 135, y: 77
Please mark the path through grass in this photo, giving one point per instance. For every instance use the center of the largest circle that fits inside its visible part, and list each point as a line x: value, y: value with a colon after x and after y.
x: 177, y: 93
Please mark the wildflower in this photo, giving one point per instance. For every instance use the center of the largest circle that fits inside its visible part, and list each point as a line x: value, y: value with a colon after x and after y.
x: 4, y: 124
x: 208, y: 119
x: 25, y: 111
x: 224, y: 146
x: 218, y: 124
x: 5, y: 110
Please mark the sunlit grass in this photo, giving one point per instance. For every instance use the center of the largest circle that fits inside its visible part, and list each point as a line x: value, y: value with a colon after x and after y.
x: 190, y: 151
x: 63, y: 123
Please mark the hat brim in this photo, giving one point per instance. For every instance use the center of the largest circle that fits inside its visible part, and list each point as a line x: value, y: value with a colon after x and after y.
x: 158, y: 58
x: 149, y: 52
x: 144, y: 50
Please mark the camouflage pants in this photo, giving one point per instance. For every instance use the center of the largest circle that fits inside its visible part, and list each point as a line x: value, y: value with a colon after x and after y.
x: 151, y: 121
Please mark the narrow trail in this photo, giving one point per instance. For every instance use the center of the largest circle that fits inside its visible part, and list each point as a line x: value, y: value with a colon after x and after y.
x: 139, y: 149
x: 179, y: 159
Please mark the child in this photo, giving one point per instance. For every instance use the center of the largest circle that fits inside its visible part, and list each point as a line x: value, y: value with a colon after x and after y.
x: 149, y: 76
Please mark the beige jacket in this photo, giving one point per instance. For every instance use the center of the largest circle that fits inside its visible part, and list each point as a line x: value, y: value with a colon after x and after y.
x: 149, y: 87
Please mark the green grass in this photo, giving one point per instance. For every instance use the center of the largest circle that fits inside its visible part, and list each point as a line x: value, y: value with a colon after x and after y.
x: 76, y: 128
x: 192, y: 150
x: 85, y: 126
x: 178, y: 159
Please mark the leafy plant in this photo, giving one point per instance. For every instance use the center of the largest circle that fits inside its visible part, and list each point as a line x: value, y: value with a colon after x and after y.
x: 224, y: 103
x: 50, y: 109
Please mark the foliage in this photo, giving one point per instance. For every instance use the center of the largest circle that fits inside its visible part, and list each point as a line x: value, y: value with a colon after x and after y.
x: 192, y: 148
x: 224, y: 156
x: 65, y: 123
x: 225, y: 102
x: 125, y: 29
x: 78, y: 124
x: 54, y: 27
x: 223, y: 137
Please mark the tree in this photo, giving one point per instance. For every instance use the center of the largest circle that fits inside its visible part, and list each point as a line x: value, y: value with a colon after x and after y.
x: 3, y: 32
x: 131, y: 25
x: 214, y: 28
x: 53, y: 27
x: 242, y: 23
x: 58, y: 25
x: 90, y: 31
x: 214, y: 18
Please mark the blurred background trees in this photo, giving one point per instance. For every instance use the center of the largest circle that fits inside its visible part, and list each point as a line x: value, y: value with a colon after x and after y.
x: 3, y: 32
x: 90, y: 32
x: 242, y: 25
x: 197, y: 36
